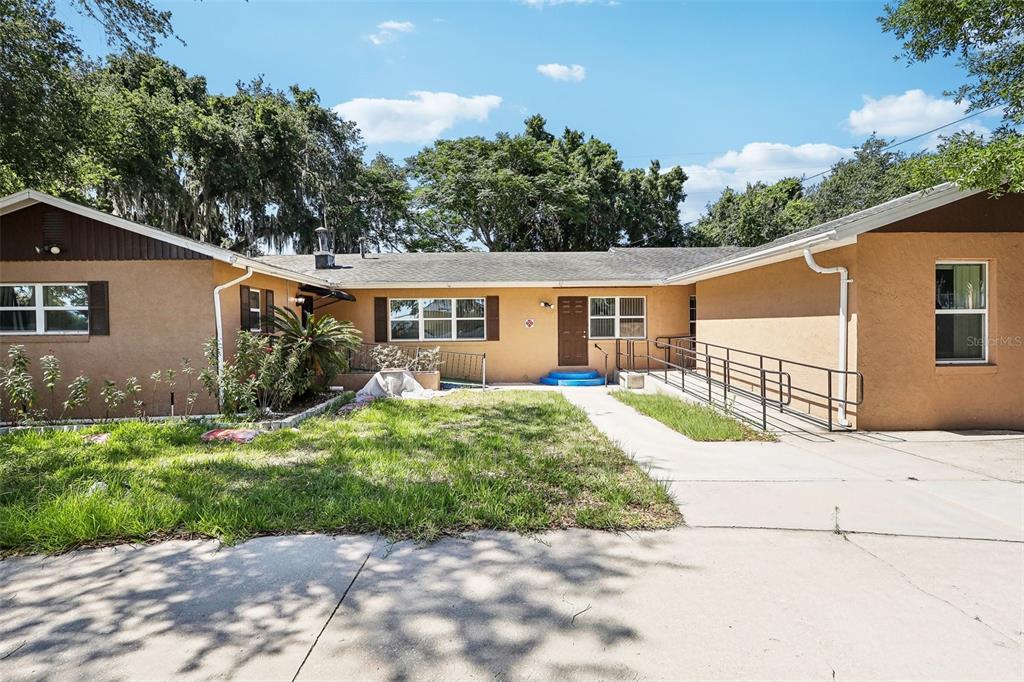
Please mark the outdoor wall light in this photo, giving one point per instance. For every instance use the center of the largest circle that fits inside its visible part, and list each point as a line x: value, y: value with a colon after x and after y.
x: 53, y: 249
x: 546, y: 305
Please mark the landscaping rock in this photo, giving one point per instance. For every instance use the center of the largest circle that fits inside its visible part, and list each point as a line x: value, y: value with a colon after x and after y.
x: 97, y: 487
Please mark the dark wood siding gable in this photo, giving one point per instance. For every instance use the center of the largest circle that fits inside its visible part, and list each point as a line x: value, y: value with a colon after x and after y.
x: 976, y: 213
x: 80, y: 238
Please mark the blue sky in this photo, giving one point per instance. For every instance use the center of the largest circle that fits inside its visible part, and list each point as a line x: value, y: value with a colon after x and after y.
x: 731, y: 91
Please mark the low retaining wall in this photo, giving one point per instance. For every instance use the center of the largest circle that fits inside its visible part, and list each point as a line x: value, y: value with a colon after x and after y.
x: 271, y: 424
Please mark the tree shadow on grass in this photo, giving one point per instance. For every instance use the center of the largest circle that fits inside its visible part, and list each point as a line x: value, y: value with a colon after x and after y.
x: 192, y: 609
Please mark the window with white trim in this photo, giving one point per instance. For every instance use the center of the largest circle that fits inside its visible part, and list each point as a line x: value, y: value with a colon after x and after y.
x: 255, y: 311
x: 437, y: 319
x: 618, y: 317
x: 961, y: 312
x: 44, y: 308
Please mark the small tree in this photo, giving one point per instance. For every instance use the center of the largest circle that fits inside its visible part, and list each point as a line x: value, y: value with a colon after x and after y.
x: 132, y: 390
x: 191, y: 395
x: 18, y: 385
x: 51, y: 377
x: 324, y: 342
x: 113, y: 398
x: 78, y: 395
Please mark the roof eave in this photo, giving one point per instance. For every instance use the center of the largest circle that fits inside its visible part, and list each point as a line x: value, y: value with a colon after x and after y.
x: 482, y: 284
x: 842, y: 235
x: 755, y: 259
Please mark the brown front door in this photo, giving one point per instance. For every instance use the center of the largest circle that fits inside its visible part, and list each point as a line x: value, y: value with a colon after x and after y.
x: 572, y: 331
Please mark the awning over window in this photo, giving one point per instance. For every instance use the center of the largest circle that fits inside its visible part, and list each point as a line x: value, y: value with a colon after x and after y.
x: 327, y: 293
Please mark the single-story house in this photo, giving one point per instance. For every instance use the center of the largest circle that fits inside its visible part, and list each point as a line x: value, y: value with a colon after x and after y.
x: 931, y: 287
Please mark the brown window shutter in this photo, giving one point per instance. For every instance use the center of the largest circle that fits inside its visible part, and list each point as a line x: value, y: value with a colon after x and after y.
x: 99, y: 309
x: 493, y: 333
x: 380, y: 319
x: 268, y: 311
x: 243, y: 295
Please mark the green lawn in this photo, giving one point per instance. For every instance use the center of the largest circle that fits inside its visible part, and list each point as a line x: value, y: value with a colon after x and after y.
x: 698, y: 422
x: 522, y: 461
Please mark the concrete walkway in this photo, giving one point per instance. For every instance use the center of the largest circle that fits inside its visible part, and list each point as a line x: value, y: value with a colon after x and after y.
x: 695, y: 602
x: 928, y: 484
x: 576, y: 605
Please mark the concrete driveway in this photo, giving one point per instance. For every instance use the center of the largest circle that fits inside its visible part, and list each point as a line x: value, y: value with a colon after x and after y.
x: 731, y: 596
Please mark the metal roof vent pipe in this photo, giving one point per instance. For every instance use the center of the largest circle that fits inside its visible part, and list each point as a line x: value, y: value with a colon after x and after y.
x: 323, y: 256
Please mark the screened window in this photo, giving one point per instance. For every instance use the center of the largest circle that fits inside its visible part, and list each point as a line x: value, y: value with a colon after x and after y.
x: 961, y: 312
x: 437, y: 319
x: 623, y: 317
x: 693, y: 316
x: 255, y: 313
x: 44, y: 309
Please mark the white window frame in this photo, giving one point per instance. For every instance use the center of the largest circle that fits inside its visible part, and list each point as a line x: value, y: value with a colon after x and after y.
x: 969, y: 311
x: 617, y: 317
x: 258, y: 310
x: 454, y: 318
x: 40, y: 309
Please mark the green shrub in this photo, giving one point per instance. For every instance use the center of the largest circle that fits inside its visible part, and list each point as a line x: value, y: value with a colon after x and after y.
x: 324, y: 342
x: 17, y: 385
x: 264, y: 374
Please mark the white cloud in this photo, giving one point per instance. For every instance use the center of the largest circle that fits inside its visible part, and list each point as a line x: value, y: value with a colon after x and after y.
x: 764, y: 161
x: 552, y: 3
x: 400, y: 26
x: 422, y: 118
x: 561, y: 72
x: 389, y: 30
x: 911, y: 113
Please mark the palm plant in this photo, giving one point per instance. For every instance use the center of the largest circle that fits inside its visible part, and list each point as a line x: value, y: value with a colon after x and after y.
x: 326, y: 339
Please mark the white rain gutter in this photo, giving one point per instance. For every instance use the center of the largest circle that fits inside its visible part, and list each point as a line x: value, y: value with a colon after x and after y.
x: 844, y: 297
x: 220, y: 329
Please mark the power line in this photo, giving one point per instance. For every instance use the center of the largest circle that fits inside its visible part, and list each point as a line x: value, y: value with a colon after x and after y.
x: 824, y: 172
x: 915, y: 137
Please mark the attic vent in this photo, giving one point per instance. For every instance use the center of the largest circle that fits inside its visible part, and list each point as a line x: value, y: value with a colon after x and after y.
x: 54, y: 227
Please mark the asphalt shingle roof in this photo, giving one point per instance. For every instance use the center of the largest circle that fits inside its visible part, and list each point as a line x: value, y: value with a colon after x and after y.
x: 892, y: 205
x: 616, y: 265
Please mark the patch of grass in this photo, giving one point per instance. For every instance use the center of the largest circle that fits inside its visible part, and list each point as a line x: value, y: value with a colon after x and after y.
x: 699, y: 422
x: 521, y: 461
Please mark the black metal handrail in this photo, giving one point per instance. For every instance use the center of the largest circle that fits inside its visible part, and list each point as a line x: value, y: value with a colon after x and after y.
x: 691, y: 356
x: 455, y: 366
x: 727, y: 367
x: 830, y: 372
x: 605, y: 353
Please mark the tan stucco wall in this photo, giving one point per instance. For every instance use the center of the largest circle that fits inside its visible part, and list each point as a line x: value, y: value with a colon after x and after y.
x: 160, y: 312
x: 784, y: 310
x: 525, y: 354
x: 905, y: 387
x: 231, y: 309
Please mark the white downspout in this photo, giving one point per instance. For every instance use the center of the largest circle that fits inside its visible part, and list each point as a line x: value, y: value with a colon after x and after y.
x: 220, y: 330
x: 844, y: 296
